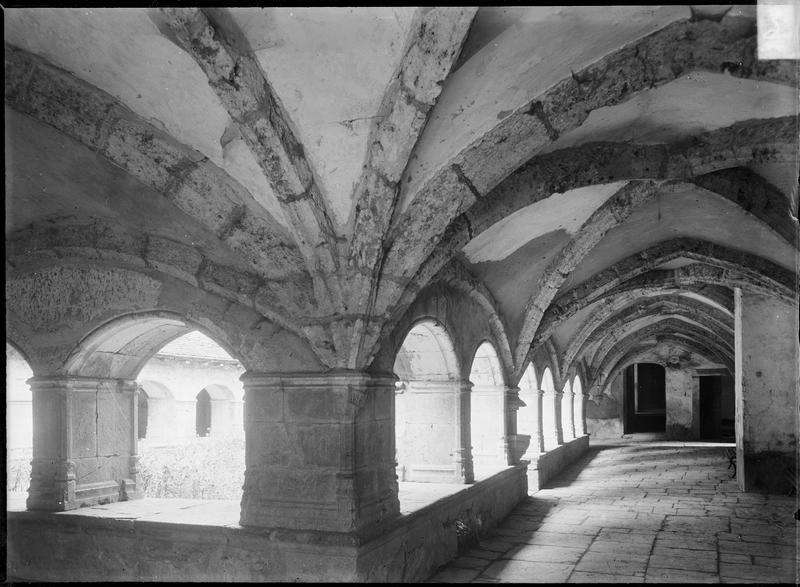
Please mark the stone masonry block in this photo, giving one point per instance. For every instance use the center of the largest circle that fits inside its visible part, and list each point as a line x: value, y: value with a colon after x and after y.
x: 295, y: 484
x: 265, y: 405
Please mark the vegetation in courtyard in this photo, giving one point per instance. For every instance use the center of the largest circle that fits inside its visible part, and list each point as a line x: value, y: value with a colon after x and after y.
x: 18, y: 470
x: 203, y: 468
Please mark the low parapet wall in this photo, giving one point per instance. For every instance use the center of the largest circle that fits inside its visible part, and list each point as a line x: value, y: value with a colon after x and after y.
x: 83, y: 546
x: 551, y: 463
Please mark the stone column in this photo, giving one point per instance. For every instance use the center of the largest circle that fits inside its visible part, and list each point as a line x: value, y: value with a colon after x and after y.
x: 766, y: 349
x: 538, y: 437
x: 84, y: 442
x: 579, y: 414
x: 551, y: 419
x: 462, y: 452
x: 489, y: 420
x: 567, y: 415
x: 319, y: 451
x: 515, y: 444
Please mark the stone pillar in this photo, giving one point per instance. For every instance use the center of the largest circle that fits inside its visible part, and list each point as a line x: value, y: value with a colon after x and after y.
x: 462, y: 452
x: 551, y: 419
x: 319, y: 451
x: 84, y: 442
x: 516, y: 444
x: 766, y: 348
x: 488, y: 426
x: 579, y: 414
x: 567, y: 415
x: 532, y: 422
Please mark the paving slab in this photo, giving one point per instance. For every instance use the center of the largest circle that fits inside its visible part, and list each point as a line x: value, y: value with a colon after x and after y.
x: 544, y: 553
x: 633, y: 512
x: 528, y: 572
x: 585, y: 577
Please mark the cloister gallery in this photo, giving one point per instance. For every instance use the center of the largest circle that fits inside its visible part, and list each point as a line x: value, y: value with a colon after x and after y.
x: 442, y: 247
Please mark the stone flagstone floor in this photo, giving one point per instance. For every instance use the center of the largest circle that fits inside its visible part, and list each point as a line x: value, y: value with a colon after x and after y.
x: 639, y: 512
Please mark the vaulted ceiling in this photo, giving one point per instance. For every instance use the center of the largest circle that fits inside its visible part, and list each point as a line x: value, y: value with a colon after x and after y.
x: 602, y: 175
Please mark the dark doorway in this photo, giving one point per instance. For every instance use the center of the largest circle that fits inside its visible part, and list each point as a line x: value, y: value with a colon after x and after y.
x: 142, y: 432
x: 710, y: 407
x: 203, y: 414
x: 645, y: 398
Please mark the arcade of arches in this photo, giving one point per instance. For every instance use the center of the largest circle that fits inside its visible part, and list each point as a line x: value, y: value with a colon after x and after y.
x: 447, y: 245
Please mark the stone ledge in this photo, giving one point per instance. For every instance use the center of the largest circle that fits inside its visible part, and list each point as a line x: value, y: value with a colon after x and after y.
x: 121, y: 543
x: 552, y: 462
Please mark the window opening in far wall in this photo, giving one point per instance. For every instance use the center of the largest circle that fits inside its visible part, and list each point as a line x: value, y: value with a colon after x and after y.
x: 203, y: 414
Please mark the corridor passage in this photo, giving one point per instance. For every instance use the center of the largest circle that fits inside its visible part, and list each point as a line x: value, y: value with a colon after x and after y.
x: 640, y: 512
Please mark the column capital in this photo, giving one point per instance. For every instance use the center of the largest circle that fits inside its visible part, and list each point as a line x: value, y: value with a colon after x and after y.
x: 513, y: 401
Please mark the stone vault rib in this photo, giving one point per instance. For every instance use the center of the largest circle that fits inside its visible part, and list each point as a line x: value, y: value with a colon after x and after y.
x: 604, y: 317
x: 717, y: 265
x: 196, y: 186
x: 221, y: 50
x: 761, y: 140
x: 668, y: 328
x: 646, y: 63
x: 610, y: 214
x: 435, y: 40
x: 621, y: 328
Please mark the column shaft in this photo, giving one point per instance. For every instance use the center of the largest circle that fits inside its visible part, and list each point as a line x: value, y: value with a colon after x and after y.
x: 580, y: 414
x: 567, y: 415
x: 551, y: 419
